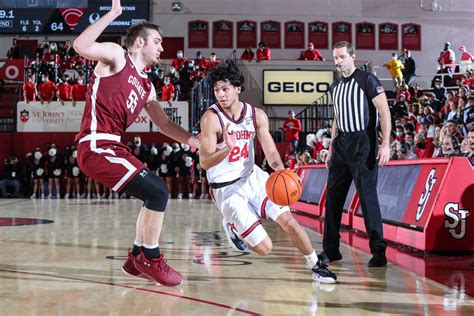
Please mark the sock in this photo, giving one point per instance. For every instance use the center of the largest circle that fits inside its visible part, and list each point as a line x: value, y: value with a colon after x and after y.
x: 151, y: 251
x: 137, y: 248
x: 311, y: 259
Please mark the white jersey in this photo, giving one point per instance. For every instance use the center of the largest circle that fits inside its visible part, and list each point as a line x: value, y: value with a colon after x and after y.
x: 240, y: 161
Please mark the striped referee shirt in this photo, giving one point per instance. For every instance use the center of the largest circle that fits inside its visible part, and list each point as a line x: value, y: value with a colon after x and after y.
x: 352, y: 98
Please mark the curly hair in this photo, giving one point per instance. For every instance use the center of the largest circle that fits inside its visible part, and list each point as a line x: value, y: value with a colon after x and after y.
x: 226, y: 71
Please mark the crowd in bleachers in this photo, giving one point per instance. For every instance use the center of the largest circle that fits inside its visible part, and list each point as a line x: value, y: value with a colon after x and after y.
x: 49, y: 172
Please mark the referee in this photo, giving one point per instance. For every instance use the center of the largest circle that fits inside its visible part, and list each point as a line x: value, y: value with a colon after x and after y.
x: 357, y: 97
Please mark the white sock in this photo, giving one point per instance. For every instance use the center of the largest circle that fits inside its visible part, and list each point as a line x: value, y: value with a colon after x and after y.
x: 311, y: 259
x: 151, y: 246
x: 137, y: 243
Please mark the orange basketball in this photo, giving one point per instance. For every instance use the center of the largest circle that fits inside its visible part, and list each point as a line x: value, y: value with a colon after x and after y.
x: 284, y: 187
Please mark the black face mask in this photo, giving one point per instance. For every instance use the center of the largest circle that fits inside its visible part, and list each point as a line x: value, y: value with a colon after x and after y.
x: 421, y: 145
x: 403, y: 150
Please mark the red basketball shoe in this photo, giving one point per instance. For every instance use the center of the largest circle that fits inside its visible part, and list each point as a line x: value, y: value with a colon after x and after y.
x: 158, y: 270
x: 129, y: 268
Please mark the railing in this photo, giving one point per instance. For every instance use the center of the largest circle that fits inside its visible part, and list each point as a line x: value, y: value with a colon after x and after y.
x: 314, y: 117
x: 202, y: 97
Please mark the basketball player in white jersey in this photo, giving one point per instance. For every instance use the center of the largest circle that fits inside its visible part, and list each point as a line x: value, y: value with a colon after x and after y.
x: 228, y: 131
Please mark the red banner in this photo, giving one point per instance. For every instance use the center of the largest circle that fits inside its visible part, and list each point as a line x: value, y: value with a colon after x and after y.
x: 411, y: 36
x: 365, y: 35
x: 246, y: 34
x: 270, y: 33
x: 222, y: 34
x: 198, y: 34
x: 318, y: 34
x: 341, y: 31
x: 12, y: 69
x: 294, y: 34
x: 388, y: 36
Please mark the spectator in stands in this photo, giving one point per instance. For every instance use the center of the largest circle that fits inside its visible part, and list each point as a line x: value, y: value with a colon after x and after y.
x: 449, y: 147
x: 468, y: 115
x: 447, y: 60
x: 452, y: 129
x: 139, y: 149
x: 312, y: 54
x: 195, y: 72
x: 67, y: 51
x: 54, y: 169
x: 29, y: 89
x: 263, y: 52
x: 200, y: 61
x: 38, y: 174
x: 179, y: 62
x: 79, y: 91
x: 12, y: 178
x: 410, y: 140
x: 470, y: 137
x: 467, y: 79
x: 453, y: 113
x: 185, y: 164
x: 466, y: 60
x: 423, y: 149
x: 14, y: 51
x: 292, y: 127
x: 212, y: 62
x: 64, y: 90
x: 167, y: 91
x: 405, y: 152
x: 410, y: 68
x: 175, y: 81
x: 415, y: 92
x: 395, y: 68
x: 46, y: 90
x: 153, y: 160
x: 73, y: 173
x: 166, y: 166
x: 247, y: 54
x: 405, y: 91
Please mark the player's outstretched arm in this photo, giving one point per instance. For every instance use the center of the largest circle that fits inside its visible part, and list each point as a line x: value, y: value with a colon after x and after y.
x: 86, y: 45
x: 166, y: 125
x: 266, y: 140
x: 209, y: 155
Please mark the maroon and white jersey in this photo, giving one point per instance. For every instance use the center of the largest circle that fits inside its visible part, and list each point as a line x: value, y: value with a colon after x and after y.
x: 239, y: 163
x: 114, y: 102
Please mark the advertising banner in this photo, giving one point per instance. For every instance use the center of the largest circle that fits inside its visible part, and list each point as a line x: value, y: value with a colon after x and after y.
x: 300, y: 87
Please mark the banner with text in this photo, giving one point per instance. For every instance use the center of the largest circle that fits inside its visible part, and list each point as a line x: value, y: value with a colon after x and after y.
x: 55, y: 117
x: 295, y: 87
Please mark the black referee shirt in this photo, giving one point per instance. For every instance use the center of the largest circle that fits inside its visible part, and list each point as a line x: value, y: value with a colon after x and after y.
x: 352, y: 98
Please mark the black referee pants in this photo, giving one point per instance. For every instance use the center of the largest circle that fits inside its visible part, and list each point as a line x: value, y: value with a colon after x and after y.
x: 353, y: 156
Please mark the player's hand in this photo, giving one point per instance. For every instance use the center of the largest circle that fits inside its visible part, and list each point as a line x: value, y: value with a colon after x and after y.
x: 194, y: 142
x: 229, y: 137
x: 328, y: 159
x: 116, y: 7
x: 383, y: 155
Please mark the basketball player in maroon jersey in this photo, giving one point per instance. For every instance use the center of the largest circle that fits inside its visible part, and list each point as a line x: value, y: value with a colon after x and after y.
x: 119, y: 91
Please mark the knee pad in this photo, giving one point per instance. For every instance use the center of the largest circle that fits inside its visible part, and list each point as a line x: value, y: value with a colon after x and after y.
x: 149, y: 188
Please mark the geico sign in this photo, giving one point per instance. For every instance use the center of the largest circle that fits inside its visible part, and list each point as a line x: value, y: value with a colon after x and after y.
x: 295, y: 86
x: 305, y: 87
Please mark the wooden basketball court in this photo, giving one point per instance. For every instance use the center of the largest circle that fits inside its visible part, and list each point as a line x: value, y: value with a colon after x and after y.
x: 64, y: 257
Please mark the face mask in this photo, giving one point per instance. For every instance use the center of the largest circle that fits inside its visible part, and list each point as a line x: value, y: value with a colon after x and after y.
x: 188, y: 161
x: 191, y: 65
x: 326, y: 142
x: 137, y: 142
x: 74, y: 154
x: 172, y: 70
x: 180, y: 55
x: 80, y: 82
x: 403, y: 150
x: 168, y: 150
x: 52, y: 152
x: 175, y: 150
x: 38, y: 155
x: 420, y: 145
x: 185, y: 147
x: 154, y: 151
x: 399, y: 134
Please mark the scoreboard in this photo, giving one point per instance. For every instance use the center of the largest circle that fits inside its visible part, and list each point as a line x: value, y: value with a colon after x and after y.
x: 66, y: 17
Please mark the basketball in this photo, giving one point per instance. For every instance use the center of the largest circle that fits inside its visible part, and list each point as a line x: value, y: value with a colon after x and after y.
x: 284, y: 187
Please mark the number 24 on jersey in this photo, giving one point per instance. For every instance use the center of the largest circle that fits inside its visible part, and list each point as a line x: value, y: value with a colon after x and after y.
x: 238, y: 153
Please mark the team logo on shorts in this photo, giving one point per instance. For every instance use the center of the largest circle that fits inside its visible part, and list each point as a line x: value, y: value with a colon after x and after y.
x: 24, y: 116
x: 143, y: 173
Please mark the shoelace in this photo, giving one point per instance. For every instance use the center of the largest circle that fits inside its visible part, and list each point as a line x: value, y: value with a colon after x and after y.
x: 163, y: 266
